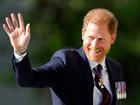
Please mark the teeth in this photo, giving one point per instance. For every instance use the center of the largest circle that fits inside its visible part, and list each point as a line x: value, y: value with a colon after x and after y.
x: 96, y: 51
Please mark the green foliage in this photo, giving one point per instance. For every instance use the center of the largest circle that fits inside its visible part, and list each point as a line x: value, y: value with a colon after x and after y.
x: 57, y: 24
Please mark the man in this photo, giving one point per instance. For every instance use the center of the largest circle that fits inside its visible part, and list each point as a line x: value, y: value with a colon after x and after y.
x: 84, y: 76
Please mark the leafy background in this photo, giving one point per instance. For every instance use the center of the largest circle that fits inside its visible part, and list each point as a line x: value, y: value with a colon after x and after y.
x: 57, y: 24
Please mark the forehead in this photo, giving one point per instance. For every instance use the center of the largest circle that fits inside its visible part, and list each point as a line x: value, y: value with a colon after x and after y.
x: 92, y: 26
x: 99, y: 29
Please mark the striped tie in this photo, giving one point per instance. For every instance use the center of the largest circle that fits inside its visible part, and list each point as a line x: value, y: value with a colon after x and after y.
x: 100, y: 85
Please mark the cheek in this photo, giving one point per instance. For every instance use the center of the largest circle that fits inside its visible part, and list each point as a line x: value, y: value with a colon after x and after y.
x: 107, y: 46
x: 86, y: 44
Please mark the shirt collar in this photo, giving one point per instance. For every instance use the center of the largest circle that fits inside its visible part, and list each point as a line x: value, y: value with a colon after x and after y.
x: 93, y: 64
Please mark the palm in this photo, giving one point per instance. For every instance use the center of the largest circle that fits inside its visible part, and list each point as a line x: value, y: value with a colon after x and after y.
x: 19, y: 39
x: 19, y: 36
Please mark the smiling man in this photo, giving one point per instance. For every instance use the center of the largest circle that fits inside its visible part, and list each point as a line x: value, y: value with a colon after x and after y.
x: 84, y: 76
x: 97, y: 41
x: 99, y: 33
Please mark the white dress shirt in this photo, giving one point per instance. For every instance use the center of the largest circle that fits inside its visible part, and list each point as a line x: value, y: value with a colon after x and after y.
x: 97, y: 96
x: 19, y: 57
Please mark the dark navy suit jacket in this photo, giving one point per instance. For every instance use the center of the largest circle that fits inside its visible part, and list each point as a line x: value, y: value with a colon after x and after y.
x: 68, y: 74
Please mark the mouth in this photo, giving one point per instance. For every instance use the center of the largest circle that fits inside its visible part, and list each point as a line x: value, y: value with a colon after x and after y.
x: 96, y: 51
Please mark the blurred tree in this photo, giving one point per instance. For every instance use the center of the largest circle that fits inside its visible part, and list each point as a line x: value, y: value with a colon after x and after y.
x: 57, y: 24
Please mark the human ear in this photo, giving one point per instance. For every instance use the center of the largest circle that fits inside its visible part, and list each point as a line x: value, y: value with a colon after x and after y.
x: 113, y: 38
x: 83, y: 34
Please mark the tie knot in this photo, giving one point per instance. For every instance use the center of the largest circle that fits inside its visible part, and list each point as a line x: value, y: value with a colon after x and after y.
x: 98, y: 70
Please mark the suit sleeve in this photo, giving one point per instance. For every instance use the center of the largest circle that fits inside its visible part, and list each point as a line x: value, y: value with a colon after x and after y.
x: 43, y: 76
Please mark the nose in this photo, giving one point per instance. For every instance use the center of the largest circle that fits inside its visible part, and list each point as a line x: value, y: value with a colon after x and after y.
x: 94, y: 43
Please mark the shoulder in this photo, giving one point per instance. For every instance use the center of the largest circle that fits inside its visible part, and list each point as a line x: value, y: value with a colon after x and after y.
x: 113, y: 62
x: 66, y: 55
x: 116, y: 68
x: 65, y: 52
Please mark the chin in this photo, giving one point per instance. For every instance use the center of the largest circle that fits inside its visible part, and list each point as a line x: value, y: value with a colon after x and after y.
x: 95, y: 59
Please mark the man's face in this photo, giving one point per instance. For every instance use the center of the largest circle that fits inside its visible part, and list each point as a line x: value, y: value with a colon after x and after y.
x: 97, y: 41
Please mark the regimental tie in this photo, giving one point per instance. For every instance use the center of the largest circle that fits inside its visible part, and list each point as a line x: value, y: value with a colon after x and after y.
x: 100, y: 85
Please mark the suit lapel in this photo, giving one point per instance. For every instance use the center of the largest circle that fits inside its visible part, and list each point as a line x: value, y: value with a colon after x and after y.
x: 88, y: 78
x: 112, y: 82
x: 87, y: 75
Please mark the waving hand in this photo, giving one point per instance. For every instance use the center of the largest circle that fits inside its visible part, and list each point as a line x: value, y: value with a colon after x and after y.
x: 19, y: 35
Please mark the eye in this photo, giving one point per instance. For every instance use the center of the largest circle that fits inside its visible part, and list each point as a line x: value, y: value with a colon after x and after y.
x: 90, y: 37
x: 101, y: 39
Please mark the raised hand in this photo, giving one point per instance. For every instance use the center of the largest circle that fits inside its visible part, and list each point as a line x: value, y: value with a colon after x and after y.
x: 19, y: 35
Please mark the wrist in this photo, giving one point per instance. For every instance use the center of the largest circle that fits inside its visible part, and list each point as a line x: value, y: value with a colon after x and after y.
x: 20, y: 51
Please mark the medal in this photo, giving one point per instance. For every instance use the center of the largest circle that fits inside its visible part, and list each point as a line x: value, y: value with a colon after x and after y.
x: 101, y: 84
x: 121, y: 90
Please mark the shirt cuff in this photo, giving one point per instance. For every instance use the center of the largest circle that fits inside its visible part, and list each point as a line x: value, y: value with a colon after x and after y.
x: 19, y: 57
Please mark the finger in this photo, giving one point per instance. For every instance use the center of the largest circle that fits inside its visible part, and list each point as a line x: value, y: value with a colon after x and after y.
x: 10, y: 26
x: 14, y: 19
x: 21, y: 22
x: 6, y: 29
x: 28, y: 29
